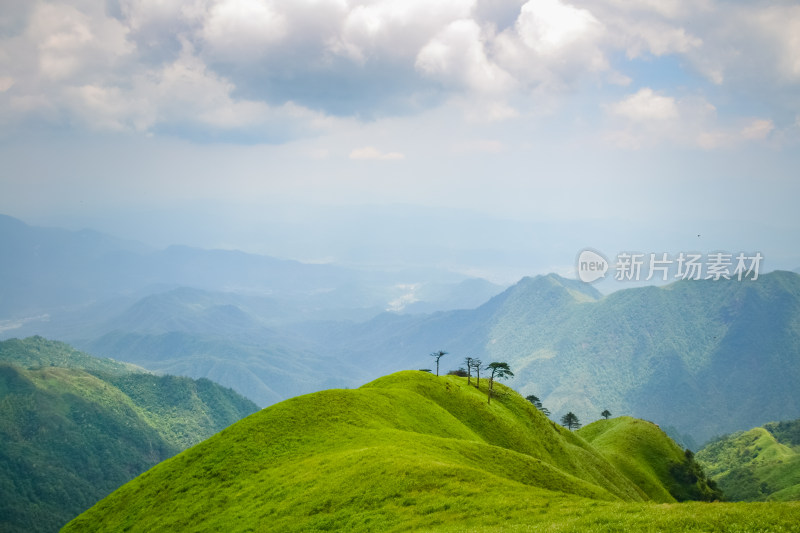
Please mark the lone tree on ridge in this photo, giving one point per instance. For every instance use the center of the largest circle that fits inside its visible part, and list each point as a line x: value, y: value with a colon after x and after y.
x: 468, y: 362
x: 537, y: 403
x: 499, y: 371
x: 605, y: 414
x: 570, y: 421
x: 438, y: 355
x: 476, y: 365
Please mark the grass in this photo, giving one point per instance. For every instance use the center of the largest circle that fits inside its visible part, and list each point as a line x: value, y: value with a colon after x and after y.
x: 407, y: 452
x: 644, y: 453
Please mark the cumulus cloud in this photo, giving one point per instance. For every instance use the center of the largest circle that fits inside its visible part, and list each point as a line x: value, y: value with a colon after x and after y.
x: 548, y: 26
x: 646, y: 105
x: 382, y: 28
x: 71, y: 43
x: 552, y: 44
x: 457, y: 56
x: 239, y: 30
x: 646, y: 119
x: 155, y: 65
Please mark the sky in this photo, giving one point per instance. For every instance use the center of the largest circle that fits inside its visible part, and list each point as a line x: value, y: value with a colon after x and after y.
x: 490, y: 137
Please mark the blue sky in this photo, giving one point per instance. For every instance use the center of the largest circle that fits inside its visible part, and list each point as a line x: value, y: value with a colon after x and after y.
x: 491, y: 137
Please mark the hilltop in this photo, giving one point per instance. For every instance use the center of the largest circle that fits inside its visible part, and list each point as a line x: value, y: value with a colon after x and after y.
x: 73, y: 428
x: 409, y: 451
x: 643, y: 452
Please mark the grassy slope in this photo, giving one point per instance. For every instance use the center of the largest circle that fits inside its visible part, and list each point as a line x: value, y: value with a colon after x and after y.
x: 644, y: 453
x: 69, y: 436
x: 406, y: 452
x: 756, y: 465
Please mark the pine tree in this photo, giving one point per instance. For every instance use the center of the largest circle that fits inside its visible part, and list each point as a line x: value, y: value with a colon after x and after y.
x: 570, y: 421
x: 500, y: 371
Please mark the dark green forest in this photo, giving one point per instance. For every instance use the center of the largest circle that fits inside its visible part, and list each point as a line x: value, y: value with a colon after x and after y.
x: 73, y: 428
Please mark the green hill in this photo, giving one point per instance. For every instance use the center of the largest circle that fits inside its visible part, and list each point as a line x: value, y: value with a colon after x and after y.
x: 757, y: 465
x: 407, y: 452
x: 73, y: 428
x: 644, y: 453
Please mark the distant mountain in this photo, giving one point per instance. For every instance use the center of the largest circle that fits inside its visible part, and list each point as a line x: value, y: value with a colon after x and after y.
x: 202, y: 313
x: 415, y: 452
x: 219, y: 336
x: 73, y: 428
x: 432, y: 297
x: 704, y: 357
x: 45, y: 269
x: 53, y: 279
x: 762, y: 464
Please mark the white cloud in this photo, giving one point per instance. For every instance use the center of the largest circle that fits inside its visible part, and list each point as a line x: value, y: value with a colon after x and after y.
x: 781, y: 25
x: 157, y: 15
x: 238, y: 30
x: 387, y: 28
x: 370, y: 152
x: 658, y: 39
x: 649, y: 119
x: 757, y: 129
x: 71, y: 43
x: 552, y: 44
x: 548, y: 26
x: 109, y: 108
x: 253, y: 63
x: 646, y: 105
x: 457, y: 55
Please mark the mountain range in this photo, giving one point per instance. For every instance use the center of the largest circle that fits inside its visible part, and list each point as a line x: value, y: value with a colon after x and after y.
x: 52, y: 272
x: 700, y: 358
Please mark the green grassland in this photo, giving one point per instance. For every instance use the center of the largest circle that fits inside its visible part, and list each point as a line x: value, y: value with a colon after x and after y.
x: 643, y: 452
x: 410, y: 452
x: 761, y: 464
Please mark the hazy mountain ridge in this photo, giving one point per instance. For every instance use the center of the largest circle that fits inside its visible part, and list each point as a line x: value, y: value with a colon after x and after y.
x: 51, y: 271
x: 219, y: 336
x: 651, y: 352
x: 74, y: 428
x: 202, y: 313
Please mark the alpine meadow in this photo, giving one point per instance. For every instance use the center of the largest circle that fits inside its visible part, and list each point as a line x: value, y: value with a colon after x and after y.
x: 399, y: 265
x: 412, y: 451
